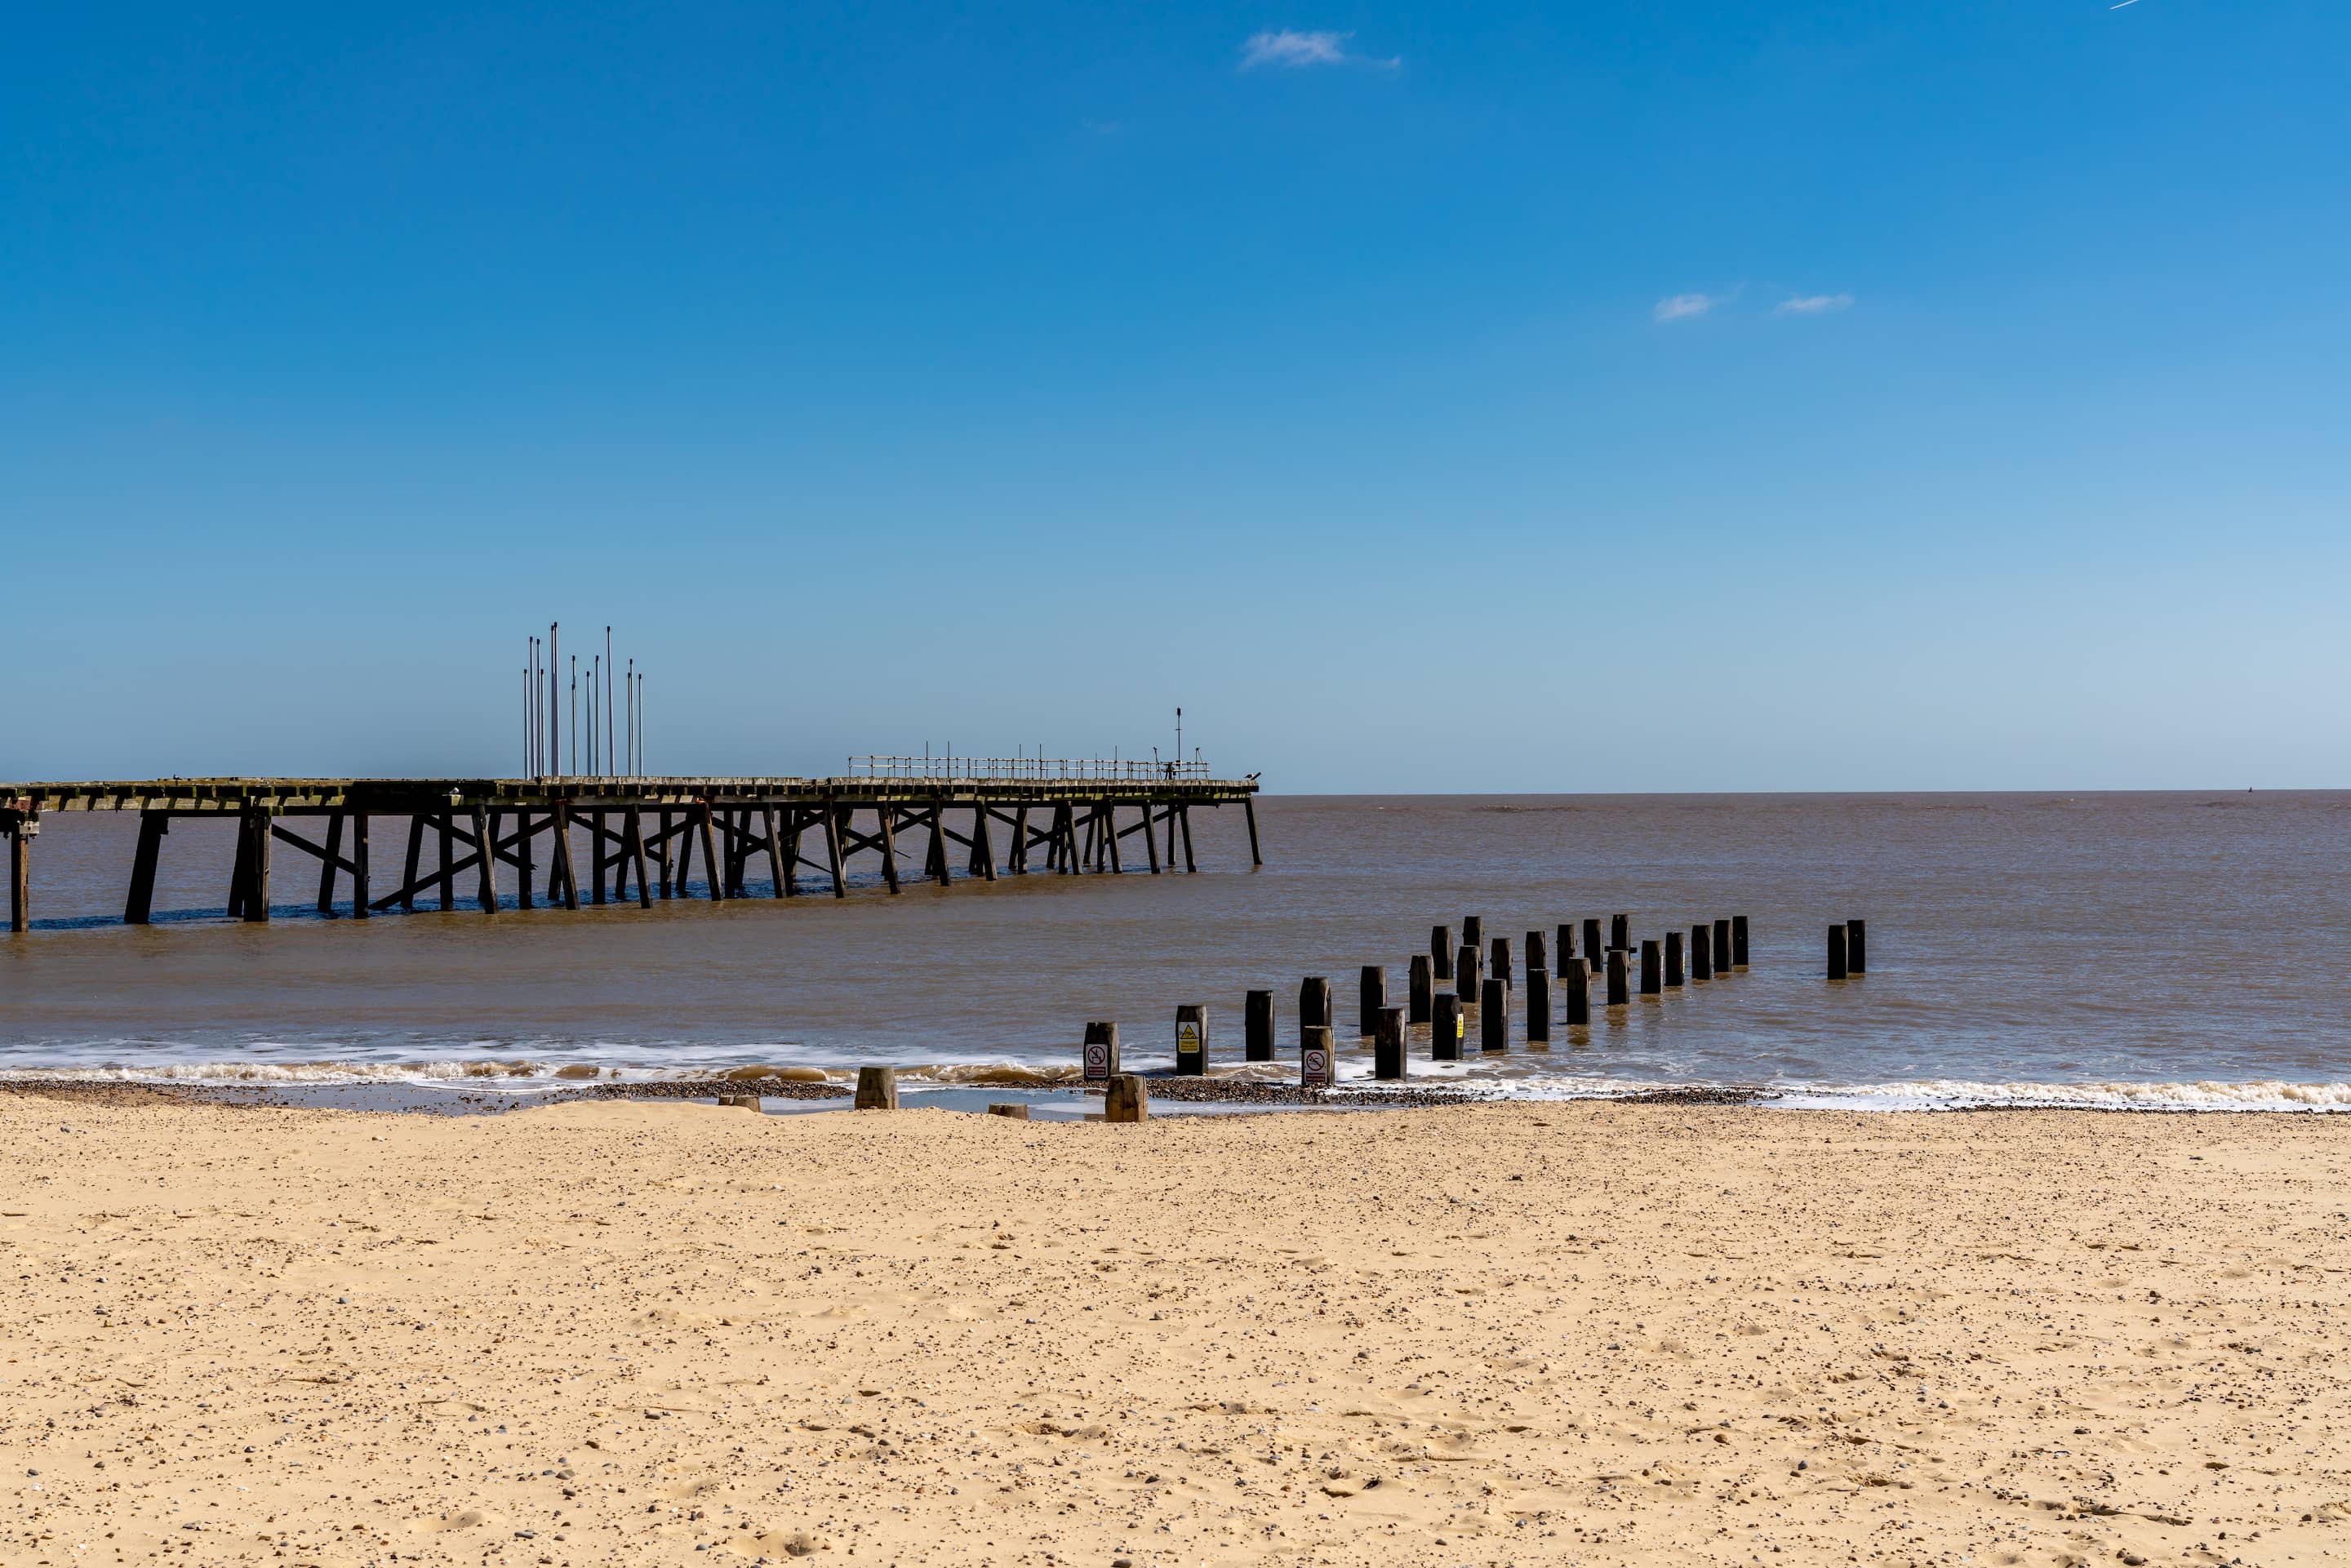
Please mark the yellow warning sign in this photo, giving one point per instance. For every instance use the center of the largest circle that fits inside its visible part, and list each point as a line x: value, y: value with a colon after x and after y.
x: 1187, y: 1037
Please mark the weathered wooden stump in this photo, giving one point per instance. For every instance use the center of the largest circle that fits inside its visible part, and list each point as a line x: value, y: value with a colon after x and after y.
x: 1314, y: 1003
x: 1739, y: 940
x: 1538, y: 1004
x: 1594, y: 950
x: 1618, y: 995
x: 1538, y: 953
x: 1388, y: 1043
x: 1440, y: 951
x: 1501, y: 967
x: 1420, y: 989
x: 1473, y: 930
x: 1701, y: 953
x: 877, y: 1089
x: 1101, y: 1052
x: 1620, y: 932
x: 739, y: 1101
x: 1126, y: 1100
x: 1191, y: 1038
x: 1653, y: 973
x: 1722, y: 946
x: 1016, y: 1109
x: 1445, y: 1027
x: 1257, y: 1027
x: 1836, y: 953
x: 1576, y: 983
x: 1673, y: 958
x: 1371, y: 999
x: 1469, y: 970
x: 1857, y: 947
x: 1494, y: 1015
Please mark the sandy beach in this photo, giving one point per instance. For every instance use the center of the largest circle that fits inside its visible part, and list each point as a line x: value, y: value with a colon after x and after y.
x: 651, y: 1332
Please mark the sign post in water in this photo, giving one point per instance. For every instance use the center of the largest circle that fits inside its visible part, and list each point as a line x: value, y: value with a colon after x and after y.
x: 1191, y: 1038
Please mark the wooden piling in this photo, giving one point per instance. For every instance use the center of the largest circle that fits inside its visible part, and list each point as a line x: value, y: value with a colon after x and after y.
x: 1673, y: 959
x: 1387, y: 1044
x: 257, y: 885
x: 1468, y: 972
x: 1101, y: 1052
x: 20, y: 877
x: 327, y: 864
x: 1701, y: 953
x: 1857, y: 947
x: 1126, y: 1100
x: 1473, y: 930
x: 1739, y: 940
x: 1249, y: 809
x: 1191, y: 1038
x: 1500, y: 968
x: 1015, y: 1109
x: 877, y: 1089
x: 1314, y: 1003
x: 1371, y: 999
x: 1618, y: 992
x: 560, y: 868
x: 1257, y: 1027
x: 1653, y: 975
x: 1538, y: 1004
x: 1318, y: 1058
x: 1593, y: 947
x: 1836, y: 953
x: 1538, y: 954
x: 833, y: 815
x: 1445, y: 1027
x: 1420, y: 989
x: 1620, y: 932
x: 445, y: 875
x: 1566, y: 947
x: 139, y: 907
x: 486, y: 870
x: 523, y: 868
x: 983, y: 843
x: 633, y: 831
x: 1722, y: 947
x: 1494, y: 1014
x: 1184, y: 816
x: 1440, y: 951
x: 1575, y: 990
x: 778, y: 868
x: 360, y: 885
x: 1016, y: 863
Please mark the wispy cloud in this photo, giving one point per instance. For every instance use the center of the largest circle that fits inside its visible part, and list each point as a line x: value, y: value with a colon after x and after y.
x: 1812, y: 305
x: 1682, y: 306
x: 1292, y: 50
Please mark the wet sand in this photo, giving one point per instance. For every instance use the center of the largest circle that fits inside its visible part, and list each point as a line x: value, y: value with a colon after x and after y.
x: 657, y: 1333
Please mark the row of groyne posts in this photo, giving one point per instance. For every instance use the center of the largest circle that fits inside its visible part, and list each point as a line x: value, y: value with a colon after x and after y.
x: 1716, y: 949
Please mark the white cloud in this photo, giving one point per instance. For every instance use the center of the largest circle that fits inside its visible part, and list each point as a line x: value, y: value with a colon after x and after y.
x: 1291, y: 49
x: 1681, y: 307
x: 1811, y: 304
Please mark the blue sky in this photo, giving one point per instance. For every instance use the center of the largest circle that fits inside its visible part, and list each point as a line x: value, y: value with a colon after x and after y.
x: 1600, y: 397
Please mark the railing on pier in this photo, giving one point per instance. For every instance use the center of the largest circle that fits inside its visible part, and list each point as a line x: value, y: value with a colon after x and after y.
x: 1016, y: 768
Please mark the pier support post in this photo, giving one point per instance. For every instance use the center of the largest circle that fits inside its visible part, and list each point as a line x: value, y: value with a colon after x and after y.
x: 1617, y: 991
x: 1836, y: 953
x: 1653, y: 978
x: 1701, y: 953
x: 20, y: 873
x: 1673, y: 959
x: 886, y: 815
x: 1183, y: 815
x: 1191, y: 1038
x: 662, y: 827
x: 1109, y: 813
x: 1387, y: 1044
x: 599, y: 857
x: 632, y: 830
x: 1248, y: 809
x: 1371, y: 999
x: 1739, y: 940
x: 1445, y: 1027
x: 1494, y: 1014
x: 1857, y: 947
x: 832, y: 848
x: 1017, y: 862
x: 1575, y: 984
x: 1440, y: 952
x: 1257, y: 1027
x: 444, y: 828
x: 714, y: 869
x: 257, y: 864
x: 559, y: 867
x: 1722, y: 947
x: 139, y: 905
x: 525, y: 870
x: 359, y: 883
x: 1420, y: 991
x: 778, y: 867
x: 983, y: 843
x: 326, y: 863
x: 795, y: 822
x: 485, y: 879
x: 1538, y: 1005
x: 415, y: 859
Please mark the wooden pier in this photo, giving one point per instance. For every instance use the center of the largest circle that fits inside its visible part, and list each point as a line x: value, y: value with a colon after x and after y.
x: 643, y: 837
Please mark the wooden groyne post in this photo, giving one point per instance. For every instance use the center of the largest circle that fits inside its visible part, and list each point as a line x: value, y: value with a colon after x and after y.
x: 1722, y: 946
x: 1318, y: 1065
x: 1445, y: 1029
x: 1494, y: 1015
x: 1836, y: 953
x: 1575, y: 979
x: 1371, y: 999
x: 1739, y: 940
x: 1617, y: 994
x: 1538, y: 1004
x: 1701, y: 953
x: 1387, y: 1044
x: 1257, y: 1027
x: 1653, y: 975
x: 1440, y: 951
x: 1101, y: 1052
x: 1420, y: 989
x: 1191, y: 1038
x: 1857, y: 947
x: 1673, y: 959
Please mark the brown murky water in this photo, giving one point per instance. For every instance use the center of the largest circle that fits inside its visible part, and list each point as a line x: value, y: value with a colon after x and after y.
x: 2141, y: 948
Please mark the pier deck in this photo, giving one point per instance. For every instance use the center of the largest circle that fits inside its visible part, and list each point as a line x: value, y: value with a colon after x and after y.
x: 641, y: 834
